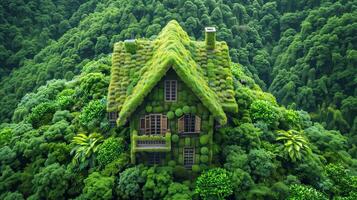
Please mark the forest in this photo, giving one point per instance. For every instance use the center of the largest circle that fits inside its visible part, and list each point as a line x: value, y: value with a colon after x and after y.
x: 294, y: 66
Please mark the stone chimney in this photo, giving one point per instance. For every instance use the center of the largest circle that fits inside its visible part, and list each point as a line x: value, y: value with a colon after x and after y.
x: 210, y: 37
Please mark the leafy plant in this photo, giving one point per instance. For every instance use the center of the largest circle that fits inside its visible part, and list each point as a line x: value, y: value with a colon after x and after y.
x: 295, y: 144
x: 85, y: 149
x: 214, y: 184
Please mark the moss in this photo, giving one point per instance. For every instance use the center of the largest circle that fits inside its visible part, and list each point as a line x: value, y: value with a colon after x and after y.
x: 204, y: 150
x: 171, y: 49
x: 187, y: 142
x: 148, y: 109
x: 193, y: 109
x: 204, y: 158
x: 196, y: 168
x: 204, y: 139
x: 186, y: 109
x: 172, y: 163
x: 175, y: 138
x: 178, y: 112
x: 197, y: 158
x: 170, y: 115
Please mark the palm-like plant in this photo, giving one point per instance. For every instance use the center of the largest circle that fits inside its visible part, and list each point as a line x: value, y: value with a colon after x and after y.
x: 295, y: 144
x: 85, y: 149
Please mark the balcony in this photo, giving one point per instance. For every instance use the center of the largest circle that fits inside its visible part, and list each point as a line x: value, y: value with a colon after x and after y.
x: 151, y: 143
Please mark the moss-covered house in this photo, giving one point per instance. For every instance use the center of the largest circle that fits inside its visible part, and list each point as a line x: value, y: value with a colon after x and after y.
x: 171, y: 92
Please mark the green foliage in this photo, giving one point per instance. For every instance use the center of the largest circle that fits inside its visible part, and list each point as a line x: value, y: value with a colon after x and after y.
x: 178, y: 191
x: 110, y: 150
x: 175, y: 138
x: 97, y: 186
x: 204, y: 150
x: 343, y: 183
x: 214, y: 184
x: 295, y: 144
x: 264, y: 111
x: 178, y: 112
x: 300, y: 192
x: 157, y: 180
x: 85, y: 149
x: 50, y: 188
x: 204, y: 139
x: 41, y: 114
x: 186, y: 109
x: 92, y: 113
x: 129, y: 185
x: 170, y: 115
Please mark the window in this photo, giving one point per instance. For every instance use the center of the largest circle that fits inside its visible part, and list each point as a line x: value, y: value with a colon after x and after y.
x: 188, y: 156
x: 112, y: 117
x: 153, y: 124
x: 189, y: 124
x: 155, y: 158
x: 170, y: 90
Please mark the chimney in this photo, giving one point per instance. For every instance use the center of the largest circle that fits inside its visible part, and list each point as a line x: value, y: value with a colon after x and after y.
x: 130, y: 45
x: 210, y: 37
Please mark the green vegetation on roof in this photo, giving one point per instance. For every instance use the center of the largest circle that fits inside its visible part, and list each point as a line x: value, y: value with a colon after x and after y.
x: 206, y: 72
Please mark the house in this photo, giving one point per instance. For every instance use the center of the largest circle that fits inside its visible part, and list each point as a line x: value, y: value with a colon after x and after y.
x: 171, y: 92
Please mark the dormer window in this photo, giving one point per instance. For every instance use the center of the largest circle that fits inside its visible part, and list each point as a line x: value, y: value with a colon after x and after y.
x: 170, y: 90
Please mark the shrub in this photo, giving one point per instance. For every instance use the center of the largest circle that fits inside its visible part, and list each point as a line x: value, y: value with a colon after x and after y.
x: 187, y: 141
x: 204, y: 139
x: 171, y: 163
x: 186, y: 109
x: 148, y: 109
x: 97, y: 187
x: 180, y: 173
x: 42, y: 114
x: 110, y: 150
x: 170, y: 115
x: 178, y: 112
x: 204, y: 158
x: 196, y: 168
x: 263, y: 111
x: 175, y: 138
x: 93, y: 112
x: 214, y: 184
x: 204, y: 150
x: 302, y: 192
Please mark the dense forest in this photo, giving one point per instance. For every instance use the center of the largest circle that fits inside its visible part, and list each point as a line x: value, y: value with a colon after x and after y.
x: 294, y: 136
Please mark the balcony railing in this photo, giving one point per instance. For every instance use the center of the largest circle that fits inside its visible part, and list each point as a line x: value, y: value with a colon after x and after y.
x: 151, y: 143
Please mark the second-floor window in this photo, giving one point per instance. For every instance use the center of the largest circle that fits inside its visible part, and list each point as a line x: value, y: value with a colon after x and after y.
x: 153, y: 124
x: 170, y: 90
x: 188, y: 124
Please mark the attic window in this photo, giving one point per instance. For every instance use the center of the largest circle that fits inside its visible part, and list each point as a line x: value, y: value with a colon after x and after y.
x: 170, y: 90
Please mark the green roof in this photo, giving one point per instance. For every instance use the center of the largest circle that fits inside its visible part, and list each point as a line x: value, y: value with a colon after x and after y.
x: 137, y: 66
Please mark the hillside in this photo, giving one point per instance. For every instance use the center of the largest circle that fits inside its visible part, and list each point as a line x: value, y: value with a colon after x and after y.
x: 55, y: 71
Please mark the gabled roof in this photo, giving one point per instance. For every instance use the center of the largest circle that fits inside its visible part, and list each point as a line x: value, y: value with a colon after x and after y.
x: 206, y: 72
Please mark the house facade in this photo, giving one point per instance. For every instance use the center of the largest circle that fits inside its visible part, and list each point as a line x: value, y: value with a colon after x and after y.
x: 171, y: 92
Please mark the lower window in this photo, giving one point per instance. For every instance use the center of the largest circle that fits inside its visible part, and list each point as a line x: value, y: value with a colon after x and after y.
x: 155, y: 158
x: 188, y: 156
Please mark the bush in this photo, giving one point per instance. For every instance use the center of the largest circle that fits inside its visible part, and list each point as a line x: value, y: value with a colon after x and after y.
x: 92, y: 113
x: 170, y: 115
x: 204, y: 139
x: 214, y: 184
x: 263, y: 111
x: 187, y: 141
x: 110, y: 150
x: 180, y: 173
x: 171, y: 163
x: 302, y: 192
x: 186, y: 109
x: 97, y: 187
x: 204, y: 158
x: 148, y: 109
x: 178, y: 112
x: 204, y: 150
x: 196, y: 168
x: 175, y: 138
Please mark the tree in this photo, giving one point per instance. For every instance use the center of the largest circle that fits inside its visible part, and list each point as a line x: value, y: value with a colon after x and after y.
x: 97, y: 186
x: 110, y: 150
x: 214, y: 184
x: 130, y: 183
x: 85, y: 149
x: 295, y: 144
x: 51, y: 182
